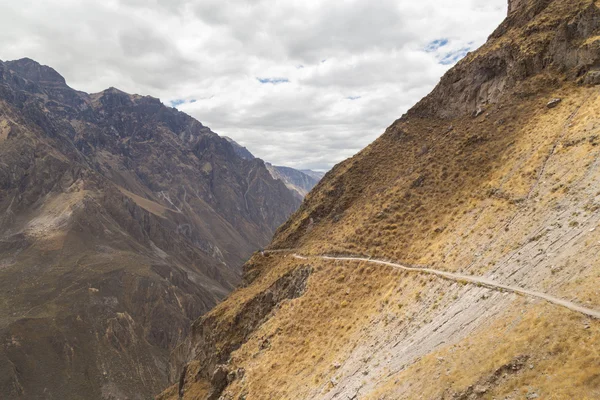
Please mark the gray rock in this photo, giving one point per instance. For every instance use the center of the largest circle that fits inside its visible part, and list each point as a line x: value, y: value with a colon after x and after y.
x: 478, y: 112
x: 513, y: 5
x: 480, y: 390
x: 592, y: 78
x: 219, y: 377
x: 553, y: 103
x: 219, y: 381
x: 240, y: 373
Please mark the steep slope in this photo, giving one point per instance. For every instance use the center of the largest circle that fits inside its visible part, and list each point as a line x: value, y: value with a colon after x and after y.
x: 494, y: 176
x: 299, y: 182
x: 121, y: 221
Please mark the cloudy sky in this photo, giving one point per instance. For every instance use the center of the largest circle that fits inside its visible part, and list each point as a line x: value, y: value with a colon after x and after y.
x: 303, y: 83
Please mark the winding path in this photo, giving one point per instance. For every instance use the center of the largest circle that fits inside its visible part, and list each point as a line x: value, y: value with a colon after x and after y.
x: 468, y: 279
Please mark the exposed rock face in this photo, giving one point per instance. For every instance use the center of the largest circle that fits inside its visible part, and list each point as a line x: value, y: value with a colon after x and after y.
x: 207, y: 350
x: 524, y: 46
x: 513, y: 5
x: 481, y: 178
x: 122, y: 221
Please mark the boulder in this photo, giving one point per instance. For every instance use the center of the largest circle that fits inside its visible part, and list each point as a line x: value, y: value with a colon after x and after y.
x: 553, y: 103
x: 219, y: 381
x: 592, y: 78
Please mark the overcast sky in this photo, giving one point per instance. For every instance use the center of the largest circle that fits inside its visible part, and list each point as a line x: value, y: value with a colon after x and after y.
x: 302, y: 83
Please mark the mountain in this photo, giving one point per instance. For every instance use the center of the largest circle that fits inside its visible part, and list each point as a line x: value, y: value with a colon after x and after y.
x: 463, y: 245
x: 313, y: 174
x: 122, y: 221
x: 299, y: 182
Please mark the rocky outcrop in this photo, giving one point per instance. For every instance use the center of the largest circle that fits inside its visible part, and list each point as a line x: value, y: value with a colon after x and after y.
x: 513, y: 5
x: 563, y: 42
x: 213, y: 339
x: 122, y: 221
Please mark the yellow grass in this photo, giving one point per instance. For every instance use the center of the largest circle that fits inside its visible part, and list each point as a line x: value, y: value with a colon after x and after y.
x: 562, y: 360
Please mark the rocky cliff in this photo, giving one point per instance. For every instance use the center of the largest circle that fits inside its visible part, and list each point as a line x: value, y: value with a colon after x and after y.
x: 485, y: 198
x: 122, y: 221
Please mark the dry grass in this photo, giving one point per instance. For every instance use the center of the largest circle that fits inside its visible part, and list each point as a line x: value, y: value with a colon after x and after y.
x: 511, y: 194
x: 467, y: 188
x: 445, y: 223
x: 455, y: 219
x: 559, y: 349
x: 460, y: 210
x: 298, y: 352
x: 301, y: 344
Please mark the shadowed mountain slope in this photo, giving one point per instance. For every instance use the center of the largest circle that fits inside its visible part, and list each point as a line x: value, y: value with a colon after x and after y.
x: 122, y: 221
x: 493, y: 175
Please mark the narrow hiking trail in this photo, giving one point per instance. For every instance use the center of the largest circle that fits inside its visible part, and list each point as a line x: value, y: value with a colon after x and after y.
x: 490, y: 284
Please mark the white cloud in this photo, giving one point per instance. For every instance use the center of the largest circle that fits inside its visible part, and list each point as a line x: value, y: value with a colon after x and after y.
x: 305, y: 84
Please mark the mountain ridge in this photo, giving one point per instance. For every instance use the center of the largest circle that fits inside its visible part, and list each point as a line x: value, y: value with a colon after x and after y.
x: 122, y: 221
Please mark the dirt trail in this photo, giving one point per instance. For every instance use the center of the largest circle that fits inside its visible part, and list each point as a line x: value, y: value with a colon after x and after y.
x: 470, y: 279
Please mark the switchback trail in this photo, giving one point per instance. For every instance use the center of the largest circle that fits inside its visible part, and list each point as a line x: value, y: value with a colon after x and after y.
x: 469, y: 279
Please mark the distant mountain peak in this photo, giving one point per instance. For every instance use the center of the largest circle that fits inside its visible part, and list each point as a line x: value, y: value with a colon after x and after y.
x: 35, y: 72
x: 299, y: 182
x: 113, y: 90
